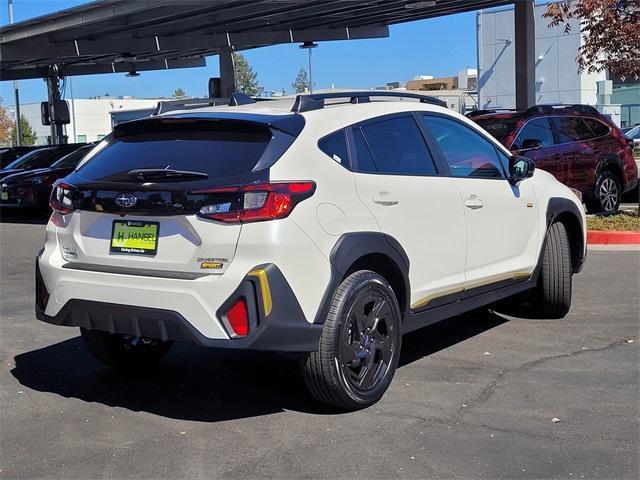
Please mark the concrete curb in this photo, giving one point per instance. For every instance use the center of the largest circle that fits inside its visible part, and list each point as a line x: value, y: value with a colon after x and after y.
x: 596, y: 237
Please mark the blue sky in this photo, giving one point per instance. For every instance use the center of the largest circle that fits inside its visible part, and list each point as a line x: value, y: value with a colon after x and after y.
x: 439, y: 47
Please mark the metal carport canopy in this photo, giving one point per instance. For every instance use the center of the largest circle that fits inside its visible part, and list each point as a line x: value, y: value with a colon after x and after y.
x: 109, y: 36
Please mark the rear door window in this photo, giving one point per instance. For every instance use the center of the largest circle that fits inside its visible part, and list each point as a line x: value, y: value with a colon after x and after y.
x: 398, y: 147
x: 220, y: 152
x: 571, y: 129
x: 536, y: 129
x: 364, y: 159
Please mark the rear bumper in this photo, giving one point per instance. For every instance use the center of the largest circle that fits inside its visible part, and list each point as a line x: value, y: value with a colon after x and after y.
x: 277, y: 322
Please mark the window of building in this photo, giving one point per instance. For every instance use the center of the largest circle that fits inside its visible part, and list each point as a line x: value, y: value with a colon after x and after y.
x: 536, y: 129
x: 81, y: 138
x: 467, y: 152
x: 100, y: 137
x: 335, y: 146
x: 398, y: 147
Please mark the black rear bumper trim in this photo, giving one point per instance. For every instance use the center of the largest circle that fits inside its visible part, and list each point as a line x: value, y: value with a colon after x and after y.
x: 285, y: 329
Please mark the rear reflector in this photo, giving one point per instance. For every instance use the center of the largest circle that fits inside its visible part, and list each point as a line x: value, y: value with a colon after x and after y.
x: 238, y: 318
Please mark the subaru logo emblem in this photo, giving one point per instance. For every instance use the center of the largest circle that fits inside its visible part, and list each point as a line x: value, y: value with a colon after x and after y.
x: 126, y: 200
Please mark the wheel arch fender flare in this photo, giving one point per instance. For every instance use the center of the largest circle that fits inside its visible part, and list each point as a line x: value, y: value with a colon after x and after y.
x: 614, y: 163
x: 353, y: 247
x: 566, y: 211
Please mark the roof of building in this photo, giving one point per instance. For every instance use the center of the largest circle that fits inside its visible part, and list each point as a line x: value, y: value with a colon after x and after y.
x: 108, y: 36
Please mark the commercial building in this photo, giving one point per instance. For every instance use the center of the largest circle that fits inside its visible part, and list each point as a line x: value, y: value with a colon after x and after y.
x: 91, y: 118
x: 557, y: 79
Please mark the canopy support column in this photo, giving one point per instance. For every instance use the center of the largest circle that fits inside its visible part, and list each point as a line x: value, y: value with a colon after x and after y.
x: 58, y: 131
x: 525, y: 36
x: 227, y: 73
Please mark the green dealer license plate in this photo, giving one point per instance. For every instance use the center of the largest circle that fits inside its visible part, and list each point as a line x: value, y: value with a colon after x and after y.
x: 135, y: 237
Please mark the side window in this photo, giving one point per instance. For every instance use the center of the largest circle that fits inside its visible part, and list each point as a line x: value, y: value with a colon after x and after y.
x: 398, y: 147
x: 467, y: 152
x: 598, y: 128
x: 335, y: 146
x: 536, y: 129
x: 364, y: 160
x: 571, y: 129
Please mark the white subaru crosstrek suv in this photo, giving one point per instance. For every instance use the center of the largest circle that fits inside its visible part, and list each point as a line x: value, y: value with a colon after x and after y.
x: 329, y: 229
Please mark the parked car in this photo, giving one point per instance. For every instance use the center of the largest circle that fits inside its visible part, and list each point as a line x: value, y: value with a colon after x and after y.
x: 575, y: 143
x: 39, y: 158
x: 9, y: 154
x: 323, y: 230
x: 30, y: 189
x: 634, y: 134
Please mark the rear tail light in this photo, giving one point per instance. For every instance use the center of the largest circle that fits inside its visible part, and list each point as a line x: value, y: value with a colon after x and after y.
x: 253, y: 203
x: 61, y: 199
x: 238, y: 318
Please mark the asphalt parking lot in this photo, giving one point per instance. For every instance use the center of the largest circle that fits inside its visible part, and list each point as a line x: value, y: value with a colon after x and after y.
x: 475, y: 397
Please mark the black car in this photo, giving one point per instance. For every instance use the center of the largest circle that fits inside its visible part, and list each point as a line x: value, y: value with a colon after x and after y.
x: 10, y: 154
x: 39, y: 158
x: 30, y: 189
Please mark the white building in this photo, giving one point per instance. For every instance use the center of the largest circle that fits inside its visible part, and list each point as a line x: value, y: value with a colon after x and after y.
x: 556, y: 75
x: 90, y: 117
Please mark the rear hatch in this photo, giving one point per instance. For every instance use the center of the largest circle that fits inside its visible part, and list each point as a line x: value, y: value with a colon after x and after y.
x: 140, y: 202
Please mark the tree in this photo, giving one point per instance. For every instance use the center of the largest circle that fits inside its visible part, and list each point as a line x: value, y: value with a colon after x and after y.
x: 610, y: 32
x: 6, y: 126
x: 301, y: 83
x: 246, y: 78
x: 179, y: 93
x: 27, y: 133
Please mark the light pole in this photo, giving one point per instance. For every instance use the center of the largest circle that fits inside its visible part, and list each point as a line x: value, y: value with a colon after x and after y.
x: 309, y: 46
x: 15, y: 89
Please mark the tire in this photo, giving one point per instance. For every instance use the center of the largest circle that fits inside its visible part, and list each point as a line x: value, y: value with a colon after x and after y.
x: 553, y: 292
x: 359, y: 348
x: 607, y: 193
x: 124, y: 353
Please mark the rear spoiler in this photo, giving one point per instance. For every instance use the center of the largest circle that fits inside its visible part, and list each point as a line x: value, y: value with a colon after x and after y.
x: 291, y: 124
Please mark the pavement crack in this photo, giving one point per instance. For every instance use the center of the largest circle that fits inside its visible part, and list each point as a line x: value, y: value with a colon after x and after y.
x: 492, y: 385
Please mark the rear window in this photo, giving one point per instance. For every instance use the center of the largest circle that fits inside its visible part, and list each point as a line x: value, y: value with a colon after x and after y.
x: 499, y: 128
x: 72, y: 159
x: 220, y: 152
x: 35, y: 159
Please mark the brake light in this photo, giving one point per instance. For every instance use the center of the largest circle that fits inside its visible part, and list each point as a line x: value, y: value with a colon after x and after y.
x: 254, y: 203
x: 61, y: 199
x: 238, y: 318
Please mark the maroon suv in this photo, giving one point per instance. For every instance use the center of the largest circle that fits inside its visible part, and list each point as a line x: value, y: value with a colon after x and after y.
x: 581, y: 147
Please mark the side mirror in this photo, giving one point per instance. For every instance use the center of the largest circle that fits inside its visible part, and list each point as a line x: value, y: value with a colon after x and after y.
x: 531, y: 144
x: 520, y: 168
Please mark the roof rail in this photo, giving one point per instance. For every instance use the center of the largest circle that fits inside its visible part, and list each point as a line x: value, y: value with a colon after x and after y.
x: 236, y: 99
x: 549, y: 108
x: 315, y: 101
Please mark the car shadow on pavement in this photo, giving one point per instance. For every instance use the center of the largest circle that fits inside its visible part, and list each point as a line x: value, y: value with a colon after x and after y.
x: 206, y: 385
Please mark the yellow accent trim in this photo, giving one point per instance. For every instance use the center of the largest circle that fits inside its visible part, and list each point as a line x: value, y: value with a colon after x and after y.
x: 478, y: 283
x: 432, y: 296
x: 264, y: 289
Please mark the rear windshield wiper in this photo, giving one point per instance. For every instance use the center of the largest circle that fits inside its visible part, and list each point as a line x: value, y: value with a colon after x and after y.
x: 148, y: 174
